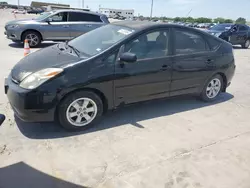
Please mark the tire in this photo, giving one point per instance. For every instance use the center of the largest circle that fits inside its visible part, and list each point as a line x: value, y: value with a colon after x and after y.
x: 209, y: 95
x: 246, y: 44
x: 37, y: 39
x: 72, y: 111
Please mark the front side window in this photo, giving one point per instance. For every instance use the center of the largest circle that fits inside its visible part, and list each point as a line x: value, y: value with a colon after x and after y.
x: 188, y: 42
x: 100, y: 39
x: 150, y: 45
x: 60, y: 17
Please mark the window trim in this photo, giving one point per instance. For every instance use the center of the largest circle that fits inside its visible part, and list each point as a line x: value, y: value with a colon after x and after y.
x: 151, y: 31
x: 192, y: 31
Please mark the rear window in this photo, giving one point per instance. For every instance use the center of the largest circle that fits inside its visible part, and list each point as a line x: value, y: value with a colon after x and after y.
x: 83, y: 17
x: 213, y: 43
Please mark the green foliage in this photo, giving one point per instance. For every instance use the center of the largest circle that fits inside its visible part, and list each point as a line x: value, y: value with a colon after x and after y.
x: 241, y: 21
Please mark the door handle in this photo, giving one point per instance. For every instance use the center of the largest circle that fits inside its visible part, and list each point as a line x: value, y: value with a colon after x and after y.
x: 165, y: 67
x: 209, y: 61
x: 88, y: 25
x: 66, y: 26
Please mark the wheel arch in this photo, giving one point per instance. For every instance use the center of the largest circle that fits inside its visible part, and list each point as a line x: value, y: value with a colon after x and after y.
x: 224, y: 78
x: 34, y: 30
x: 94, y: 90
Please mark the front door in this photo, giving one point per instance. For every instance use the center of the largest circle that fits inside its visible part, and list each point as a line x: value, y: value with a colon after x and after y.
x: 193, y: 62
x: 150, y: 76
x: 58, y: 27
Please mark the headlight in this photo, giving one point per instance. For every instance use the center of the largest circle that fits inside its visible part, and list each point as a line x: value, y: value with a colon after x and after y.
x: 12, y: 26
x: 36, y: 79
x: 217, y: 34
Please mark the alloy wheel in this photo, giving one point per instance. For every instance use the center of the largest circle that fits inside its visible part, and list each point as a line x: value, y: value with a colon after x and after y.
x: 81, y: 112
x: 247, y: 44
x: 32, y: 39
x: 213, y: 88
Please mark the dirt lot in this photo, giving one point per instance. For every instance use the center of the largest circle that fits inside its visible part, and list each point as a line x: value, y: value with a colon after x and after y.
x: 177, y: 143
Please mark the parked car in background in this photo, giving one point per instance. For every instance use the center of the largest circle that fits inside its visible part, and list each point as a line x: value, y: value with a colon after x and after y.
x: 236, y: 34
x: 59, y: 25
x: 35, y: 11
x: 115, y: 65
x: 19, y: 11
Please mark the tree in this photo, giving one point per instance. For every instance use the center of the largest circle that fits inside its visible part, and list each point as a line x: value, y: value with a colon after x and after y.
x: 177, y: 19
x: 203, y: 20
x: 241, y: 20
x: 219, y: 20
x: 228, y: 21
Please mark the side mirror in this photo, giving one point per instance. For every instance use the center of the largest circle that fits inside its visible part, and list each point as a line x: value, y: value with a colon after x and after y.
x: 234, y: 29
x: 49, y: 20
x: 128, y: 57
x: 2, y: 118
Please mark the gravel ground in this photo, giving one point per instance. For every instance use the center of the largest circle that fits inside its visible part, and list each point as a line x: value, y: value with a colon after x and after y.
x: 177, y: 143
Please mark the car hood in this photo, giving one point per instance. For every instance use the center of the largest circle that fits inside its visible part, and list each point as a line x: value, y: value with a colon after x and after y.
x: 23, y: 21
x: 50, y: 57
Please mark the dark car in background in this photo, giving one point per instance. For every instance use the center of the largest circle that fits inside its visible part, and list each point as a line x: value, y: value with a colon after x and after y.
x: 115, y: 65
x: 236, y: 34
x: 35, y: 11
x: 59, y: 25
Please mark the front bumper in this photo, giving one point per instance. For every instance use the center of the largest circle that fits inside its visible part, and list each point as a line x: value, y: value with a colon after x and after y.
x: 28, y: 105
x: 13, y: 34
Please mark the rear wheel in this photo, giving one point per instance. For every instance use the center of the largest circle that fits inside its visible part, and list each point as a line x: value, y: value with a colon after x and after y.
x: 246, y: 44
x: 34, y: 38
x: 80, y: 110
x: 212, y: 89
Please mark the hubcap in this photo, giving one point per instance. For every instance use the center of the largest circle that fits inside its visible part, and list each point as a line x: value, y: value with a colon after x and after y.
x: 32, y: 39
x: 247, y: 44
x: 213, y: 88
x: 81, y: 112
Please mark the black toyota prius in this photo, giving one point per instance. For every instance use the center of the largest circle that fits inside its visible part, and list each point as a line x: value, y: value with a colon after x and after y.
x: 115, y: 65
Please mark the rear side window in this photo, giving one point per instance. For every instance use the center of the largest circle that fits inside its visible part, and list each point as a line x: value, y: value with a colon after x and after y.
x: 189, y: 42
x: 213, y: 43
x: 243, y: 28
x: 83, y: 17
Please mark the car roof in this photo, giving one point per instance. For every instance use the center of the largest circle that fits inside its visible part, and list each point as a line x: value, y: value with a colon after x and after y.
x: 141, y: 25
x: 80, y: 11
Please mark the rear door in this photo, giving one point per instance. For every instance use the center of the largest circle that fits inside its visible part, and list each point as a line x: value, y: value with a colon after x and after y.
x: 81, y: 23
x: 193, y: 61
x: 58, y: 28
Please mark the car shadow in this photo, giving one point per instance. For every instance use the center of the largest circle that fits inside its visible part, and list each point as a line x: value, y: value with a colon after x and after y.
x: 237, y: 48
x: 22, y: 175
x: 42, y: 45
x: 128, y: 115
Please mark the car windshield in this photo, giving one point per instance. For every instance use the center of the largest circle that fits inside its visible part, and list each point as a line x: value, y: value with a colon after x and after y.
x: 221, y: 27
x: 43, y: 16
x: 98, y: 40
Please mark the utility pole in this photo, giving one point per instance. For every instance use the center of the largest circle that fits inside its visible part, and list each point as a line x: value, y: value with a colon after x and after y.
x: 82, y: 3
x: 152, y: 5
x: 18, y: 2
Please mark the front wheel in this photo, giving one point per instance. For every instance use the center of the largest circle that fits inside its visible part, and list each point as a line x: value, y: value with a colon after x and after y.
x: 80, y: 110
x: 246, y: 44
x: 212, y: 89
x: 34, y: 38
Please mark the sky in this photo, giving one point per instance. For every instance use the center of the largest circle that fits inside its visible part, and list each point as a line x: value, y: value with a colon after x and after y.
x: 170, y: 8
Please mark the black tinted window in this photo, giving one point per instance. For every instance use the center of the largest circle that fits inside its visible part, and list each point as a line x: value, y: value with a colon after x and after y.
x: 243, y: 28
x: 188, y: 42
x: 83, y: 17
x: 151, y: 45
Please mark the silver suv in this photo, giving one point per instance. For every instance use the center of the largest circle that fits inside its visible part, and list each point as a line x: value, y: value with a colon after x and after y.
x: 59, y: 25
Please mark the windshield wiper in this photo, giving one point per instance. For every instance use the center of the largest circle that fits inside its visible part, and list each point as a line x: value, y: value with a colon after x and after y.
x: 77, y: 52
